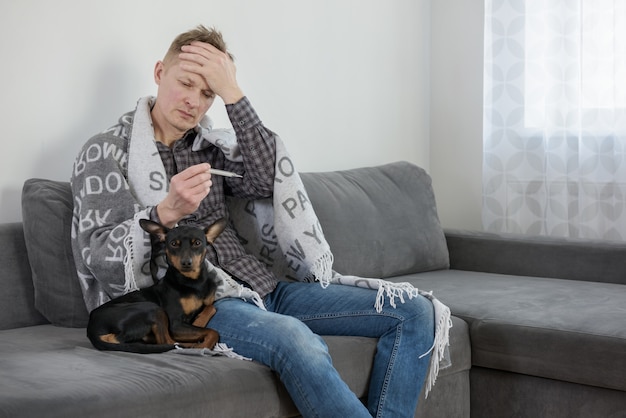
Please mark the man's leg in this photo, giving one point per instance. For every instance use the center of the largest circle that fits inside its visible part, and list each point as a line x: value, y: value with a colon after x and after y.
x: 288, y: 347
x: 404, y: 333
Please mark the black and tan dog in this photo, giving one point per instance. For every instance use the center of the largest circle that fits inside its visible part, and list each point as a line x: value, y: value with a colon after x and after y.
x: 173, y: 311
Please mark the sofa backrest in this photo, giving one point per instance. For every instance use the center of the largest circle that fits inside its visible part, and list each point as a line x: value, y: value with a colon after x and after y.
x: 567, y: 258
x: 16, y: 294
x: 379, y: 221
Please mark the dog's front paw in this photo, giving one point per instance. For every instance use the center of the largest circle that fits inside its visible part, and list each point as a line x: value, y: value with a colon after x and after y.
x: 210, y: 339
x: 203, y: 318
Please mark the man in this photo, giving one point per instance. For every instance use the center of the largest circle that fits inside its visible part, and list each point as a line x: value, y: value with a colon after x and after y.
x: 155, y: 164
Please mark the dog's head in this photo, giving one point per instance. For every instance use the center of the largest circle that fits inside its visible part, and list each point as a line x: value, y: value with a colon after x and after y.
x: 185, y: 246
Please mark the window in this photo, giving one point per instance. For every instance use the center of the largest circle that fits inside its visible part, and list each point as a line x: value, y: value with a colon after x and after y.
x: 555, y: 117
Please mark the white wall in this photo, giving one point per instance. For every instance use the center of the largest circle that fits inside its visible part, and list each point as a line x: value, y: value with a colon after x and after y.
x: 456, y: 107
x: 345, y: 83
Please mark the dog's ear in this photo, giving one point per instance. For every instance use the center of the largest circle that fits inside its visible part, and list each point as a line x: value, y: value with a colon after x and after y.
x: 212, y: 231
x: 154, y: 228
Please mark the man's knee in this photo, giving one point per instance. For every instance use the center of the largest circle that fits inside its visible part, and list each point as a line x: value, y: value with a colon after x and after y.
x: 297, y: 337
x: 293, y: 345
x: 419, y: 309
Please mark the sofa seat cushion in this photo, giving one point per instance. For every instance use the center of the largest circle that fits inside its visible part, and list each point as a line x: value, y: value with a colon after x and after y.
x: 560, y: 329
x: 55, y: 372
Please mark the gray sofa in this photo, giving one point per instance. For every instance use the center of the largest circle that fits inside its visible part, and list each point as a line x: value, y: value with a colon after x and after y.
x: 539, y: 325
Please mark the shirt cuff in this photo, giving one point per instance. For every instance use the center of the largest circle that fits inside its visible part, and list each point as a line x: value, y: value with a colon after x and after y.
x: 242, y: 115
x: 154, y: 216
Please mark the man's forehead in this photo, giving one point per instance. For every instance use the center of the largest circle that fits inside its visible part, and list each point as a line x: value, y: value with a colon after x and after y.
x: 192, y: 77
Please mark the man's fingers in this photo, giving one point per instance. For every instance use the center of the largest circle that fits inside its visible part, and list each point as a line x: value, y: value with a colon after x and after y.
x: 193, y: 181
x: 194, y: 170
x: 202, y: 186
x: 200, y: 52
x: 193, y: 58
x: 203, y: 46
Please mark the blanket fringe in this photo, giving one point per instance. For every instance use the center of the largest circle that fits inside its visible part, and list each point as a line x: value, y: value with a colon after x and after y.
x: 130, y: 284
x: 440, y: 350
x: 393, y: 291
x: 220, y: 349
x: 321, y: 270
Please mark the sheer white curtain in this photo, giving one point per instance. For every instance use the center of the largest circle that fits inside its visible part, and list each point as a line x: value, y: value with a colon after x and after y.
x: 555, y: 118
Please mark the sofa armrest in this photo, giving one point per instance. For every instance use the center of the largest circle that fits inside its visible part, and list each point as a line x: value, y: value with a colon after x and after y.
x: 537, y: 256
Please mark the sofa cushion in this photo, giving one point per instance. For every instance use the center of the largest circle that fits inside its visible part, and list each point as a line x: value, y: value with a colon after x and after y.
x: 55, y: 372
x: 47, y: 218
x: 559, y: 329
x: 379, y: 221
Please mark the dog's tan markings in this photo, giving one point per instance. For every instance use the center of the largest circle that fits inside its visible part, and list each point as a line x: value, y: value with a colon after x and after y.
x: 190, y: 304
x: 215, y: 229
x: 194, y: 273
x: 160, y: 328
x: 203, y: 318
x: 198, y: 260
x: 210, y: 299
x: 110, y: 338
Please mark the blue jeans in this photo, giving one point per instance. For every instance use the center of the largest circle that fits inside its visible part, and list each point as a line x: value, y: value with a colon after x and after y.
x: 286, y: 339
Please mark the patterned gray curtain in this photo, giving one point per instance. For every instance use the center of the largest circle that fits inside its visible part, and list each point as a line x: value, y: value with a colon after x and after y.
x: 554, y: 125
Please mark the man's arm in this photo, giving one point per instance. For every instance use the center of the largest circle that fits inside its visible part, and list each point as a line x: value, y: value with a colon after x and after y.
x: 258, y: 149
x: 257, y: 143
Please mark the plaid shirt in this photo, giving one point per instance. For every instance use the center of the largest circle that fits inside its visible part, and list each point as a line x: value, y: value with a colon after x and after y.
x: 259, y: 151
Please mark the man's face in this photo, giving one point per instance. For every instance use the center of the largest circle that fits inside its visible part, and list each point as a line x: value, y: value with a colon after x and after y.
x: 183, y: 98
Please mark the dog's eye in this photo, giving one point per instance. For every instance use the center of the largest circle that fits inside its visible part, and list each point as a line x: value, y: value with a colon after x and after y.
x: 175, y: 243
x: 197, y: 243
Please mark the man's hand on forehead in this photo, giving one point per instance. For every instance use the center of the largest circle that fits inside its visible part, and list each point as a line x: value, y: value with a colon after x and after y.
x: 215, y: 66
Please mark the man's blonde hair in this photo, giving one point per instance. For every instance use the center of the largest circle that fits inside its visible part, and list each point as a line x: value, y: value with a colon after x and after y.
x: 199, y: 33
